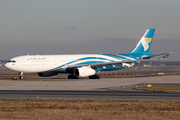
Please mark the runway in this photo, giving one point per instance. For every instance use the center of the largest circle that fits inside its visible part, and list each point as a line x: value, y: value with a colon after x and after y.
x: 110, y: 88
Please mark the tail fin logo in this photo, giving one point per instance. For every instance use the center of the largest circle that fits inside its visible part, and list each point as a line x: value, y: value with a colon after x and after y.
x: 148, y: 40
x: 145, y: 43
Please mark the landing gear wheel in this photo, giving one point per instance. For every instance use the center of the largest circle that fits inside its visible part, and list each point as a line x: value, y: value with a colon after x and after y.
x: 97, y: 77
x: 21, y: 76
x: 94, y: 77
x: 72, y: 77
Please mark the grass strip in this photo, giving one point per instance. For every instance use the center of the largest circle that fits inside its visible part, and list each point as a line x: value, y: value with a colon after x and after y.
x: 89, y: 109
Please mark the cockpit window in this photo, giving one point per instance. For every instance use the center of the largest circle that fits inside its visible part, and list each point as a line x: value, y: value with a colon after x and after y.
x: 12, y: 61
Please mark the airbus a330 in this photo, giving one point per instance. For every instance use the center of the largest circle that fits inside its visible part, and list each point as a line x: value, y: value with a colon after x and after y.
x: 85, y: 65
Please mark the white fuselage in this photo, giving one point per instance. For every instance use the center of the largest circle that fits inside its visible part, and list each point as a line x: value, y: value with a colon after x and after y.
x: 43, y: 63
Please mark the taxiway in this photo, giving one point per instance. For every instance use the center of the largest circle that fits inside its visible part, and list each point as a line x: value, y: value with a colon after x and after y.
x: 109, y: 88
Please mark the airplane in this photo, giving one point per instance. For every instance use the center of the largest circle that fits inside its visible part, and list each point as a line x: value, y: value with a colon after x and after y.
x: 84, y: 65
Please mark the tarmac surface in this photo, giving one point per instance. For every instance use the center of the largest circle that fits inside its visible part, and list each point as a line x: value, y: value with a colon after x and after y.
x: 109, y: 88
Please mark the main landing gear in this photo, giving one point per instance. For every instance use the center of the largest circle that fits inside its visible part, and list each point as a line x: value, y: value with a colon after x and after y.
x: 72, y: 77
x: 94, y: 77
x: 90, y: 77
x: 21, y: 76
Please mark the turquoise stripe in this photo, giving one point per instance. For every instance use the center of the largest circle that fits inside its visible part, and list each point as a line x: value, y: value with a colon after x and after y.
x: 81, y: 59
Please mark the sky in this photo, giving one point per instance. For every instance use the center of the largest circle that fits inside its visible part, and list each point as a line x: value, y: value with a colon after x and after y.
x: 87, y: 26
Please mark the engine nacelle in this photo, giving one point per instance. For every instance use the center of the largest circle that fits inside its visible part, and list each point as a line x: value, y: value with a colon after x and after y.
x: 145, y: 57
x: 84, y: 71
x: 47, y: 74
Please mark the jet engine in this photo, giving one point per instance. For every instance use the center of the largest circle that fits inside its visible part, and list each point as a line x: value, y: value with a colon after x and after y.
x: 47, y: 74
x: 84, y: 71
x: 145, y: 57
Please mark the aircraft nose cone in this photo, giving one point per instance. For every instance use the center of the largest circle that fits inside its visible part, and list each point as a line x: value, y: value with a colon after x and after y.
x: 6, y: 65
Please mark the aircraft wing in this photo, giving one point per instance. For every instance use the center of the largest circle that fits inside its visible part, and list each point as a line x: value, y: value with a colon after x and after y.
x: 148, y: 58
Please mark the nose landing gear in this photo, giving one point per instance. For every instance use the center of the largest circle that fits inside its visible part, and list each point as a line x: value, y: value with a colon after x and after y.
x: 21, y: 76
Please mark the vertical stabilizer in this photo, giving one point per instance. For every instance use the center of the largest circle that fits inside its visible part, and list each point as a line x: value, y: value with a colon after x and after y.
x: 145, y: 43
